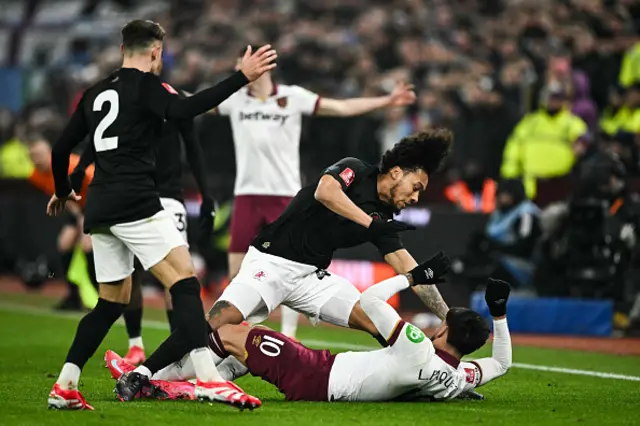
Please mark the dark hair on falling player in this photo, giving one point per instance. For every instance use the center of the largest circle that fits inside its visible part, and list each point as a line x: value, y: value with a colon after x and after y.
x: 467, y: 330
x: 423, y: 150
x: 140, y: 34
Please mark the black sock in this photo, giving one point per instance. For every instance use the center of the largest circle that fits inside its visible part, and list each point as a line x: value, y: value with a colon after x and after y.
x: 92, y: 330
x: 133, y: 322
x: 65, y: 260
x: 169, y: 351
x: 172, y: 322
x: 188, y: 313
x: 191, y: 327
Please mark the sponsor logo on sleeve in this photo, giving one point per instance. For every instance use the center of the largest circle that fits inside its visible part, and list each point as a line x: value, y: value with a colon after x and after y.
x: 347, y: 176
x: 414, y: 334
x: 170, y: 89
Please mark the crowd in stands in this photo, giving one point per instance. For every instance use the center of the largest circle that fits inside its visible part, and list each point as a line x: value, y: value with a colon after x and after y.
x: 530, y: 87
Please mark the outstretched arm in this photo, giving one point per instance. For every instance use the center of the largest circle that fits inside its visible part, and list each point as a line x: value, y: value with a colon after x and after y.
x: 402, y: 262
x: 402, y: 95
x: 501, y: 356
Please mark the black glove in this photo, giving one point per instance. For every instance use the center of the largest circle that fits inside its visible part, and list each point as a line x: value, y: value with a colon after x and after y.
x: 77, y: 178
x: 496, y: 296
x: 379, y: 227
x: 431, y: 271
x: 207, y: 218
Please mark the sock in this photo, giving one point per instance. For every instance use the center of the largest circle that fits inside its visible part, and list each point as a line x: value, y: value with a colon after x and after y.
x: 91, y: 331
x: 169, y: 351
x: 231, y: 369
x: 69, y: 376
x: 178, y: 371
x: 143, y: 370
x: 133, y: 322
x: 172, y: 323
x: 190, y: 321
x: 136, y: 341
x: 218, y: 352
x: 289, y: 322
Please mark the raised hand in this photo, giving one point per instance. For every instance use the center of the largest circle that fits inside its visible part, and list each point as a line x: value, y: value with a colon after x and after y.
x: 253, y: 65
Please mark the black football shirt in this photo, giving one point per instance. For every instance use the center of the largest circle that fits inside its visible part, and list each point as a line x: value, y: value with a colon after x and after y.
x: 309, y: 233
x: 124, y: 116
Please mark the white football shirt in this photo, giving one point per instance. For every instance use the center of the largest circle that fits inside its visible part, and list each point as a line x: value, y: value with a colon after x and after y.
x: 409, y: 368
x: 266, y: 135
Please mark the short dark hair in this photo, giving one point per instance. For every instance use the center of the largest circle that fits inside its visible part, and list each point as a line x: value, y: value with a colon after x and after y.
x: 140, y: 34
x: 423, y: 150
x: 468, y: 331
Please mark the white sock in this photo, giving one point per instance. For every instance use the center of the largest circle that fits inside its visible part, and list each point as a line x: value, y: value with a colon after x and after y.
x: 204, y: 366
x: 230, y: 369
x: 143, y: 370
x: 181, y: 370
x: 69, y: 376
x: 136, y: 341
x: 289, y: 322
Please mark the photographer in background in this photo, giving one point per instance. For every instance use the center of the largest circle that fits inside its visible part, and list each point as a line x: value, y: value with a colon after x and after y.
x: 589, y: 241
x: 505, y: 250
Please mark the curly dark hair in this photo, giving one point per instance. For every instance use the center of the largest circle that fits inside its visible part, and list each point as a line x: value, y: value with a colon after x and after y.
x: 423, y: 150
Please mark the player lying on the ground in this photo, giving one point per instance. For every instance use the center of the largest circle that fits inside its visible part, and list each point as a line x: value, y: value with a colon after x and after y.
x: 412, y: 367
x: 352, y: 203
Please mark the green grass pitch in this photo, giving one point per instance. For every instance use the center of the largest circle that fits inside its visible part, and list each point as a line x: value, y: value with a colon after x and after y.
x: 33, y: 345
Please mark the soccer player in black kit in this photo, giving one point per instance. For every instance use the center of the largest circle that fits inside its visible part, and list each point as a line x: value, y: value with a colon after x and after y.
x: 123, y: 116
x: 352, y: 203
x: 175, y: 134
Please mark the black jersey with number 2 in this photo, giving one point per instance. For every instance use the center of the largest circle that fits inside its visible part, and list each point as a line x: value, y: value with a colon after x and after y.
x: 124, y: 116
x: 308, y: 232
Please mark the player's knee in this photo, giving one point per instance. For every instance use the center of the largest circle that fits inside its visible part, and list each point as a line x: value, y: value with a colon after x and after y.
x: 116, y: 292
x: 223, y: 313
x: 359, y: 320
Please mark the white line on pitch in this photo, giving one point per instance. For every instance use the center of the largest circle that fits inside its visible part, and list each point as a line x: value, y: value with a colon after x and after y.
x: 161, y: 325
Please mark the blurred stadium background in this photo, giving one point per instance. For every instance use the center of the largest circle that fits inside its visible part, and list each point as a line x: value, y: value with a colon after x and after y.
x: 481, y: 68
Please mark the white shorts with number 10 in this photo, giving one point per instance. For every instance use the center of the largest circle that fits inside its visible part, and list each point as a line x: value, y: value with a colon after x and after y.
x: 179, y: 214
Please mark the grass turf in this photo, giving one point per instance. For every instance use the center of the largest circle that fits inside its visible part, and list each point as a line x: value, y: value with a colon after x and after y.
x: 33, y: 347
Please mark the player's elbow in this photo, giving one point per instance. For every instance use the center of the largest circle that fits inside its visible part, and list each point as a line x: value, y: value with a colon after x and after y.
x: 326, y: 189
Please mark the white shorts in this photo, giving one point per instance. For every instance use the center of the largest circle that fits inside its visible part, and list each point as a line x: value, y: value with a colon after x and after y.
x: 273, y: 281
x: 179, y: 214
x: 150, y: 240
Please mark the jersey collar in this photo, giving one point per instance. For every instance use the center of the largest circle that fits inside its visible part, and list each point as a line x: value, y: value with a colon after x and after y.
x: 448, y: 358
x: 274, y: 91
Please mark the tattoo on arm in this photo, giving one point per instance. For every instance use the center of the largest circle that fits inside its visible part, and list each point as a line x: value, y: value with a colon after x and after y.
x: 217, y: 308
x: 432, y: 298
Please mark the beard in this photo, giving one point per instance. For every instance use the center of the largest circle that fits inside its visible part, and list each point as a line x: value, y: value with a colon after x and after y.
x: 392, y: 197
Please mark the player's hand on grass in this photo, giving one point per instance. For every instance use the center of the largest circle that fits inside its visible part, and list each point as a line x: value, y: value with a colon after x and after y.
x: 56, y: 205
x: 253, y: 65
x: 496, y: 296
x: 431, y: 271
x: 380, y: 227
x: 402, y: 95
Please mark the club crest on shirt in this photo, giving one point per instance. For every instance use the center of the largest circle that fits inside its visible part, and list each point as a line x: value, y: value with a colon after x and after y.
x: 375, y: 216
x: 471, y: 375
x: 347, y: 176
x: 170, y: 89
x: 282, y: 102
x: 260, y: 276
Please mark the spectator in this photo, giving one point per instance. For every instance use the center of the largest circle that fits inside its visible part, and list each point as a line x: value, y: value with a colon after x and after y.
x: 545, y: 143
